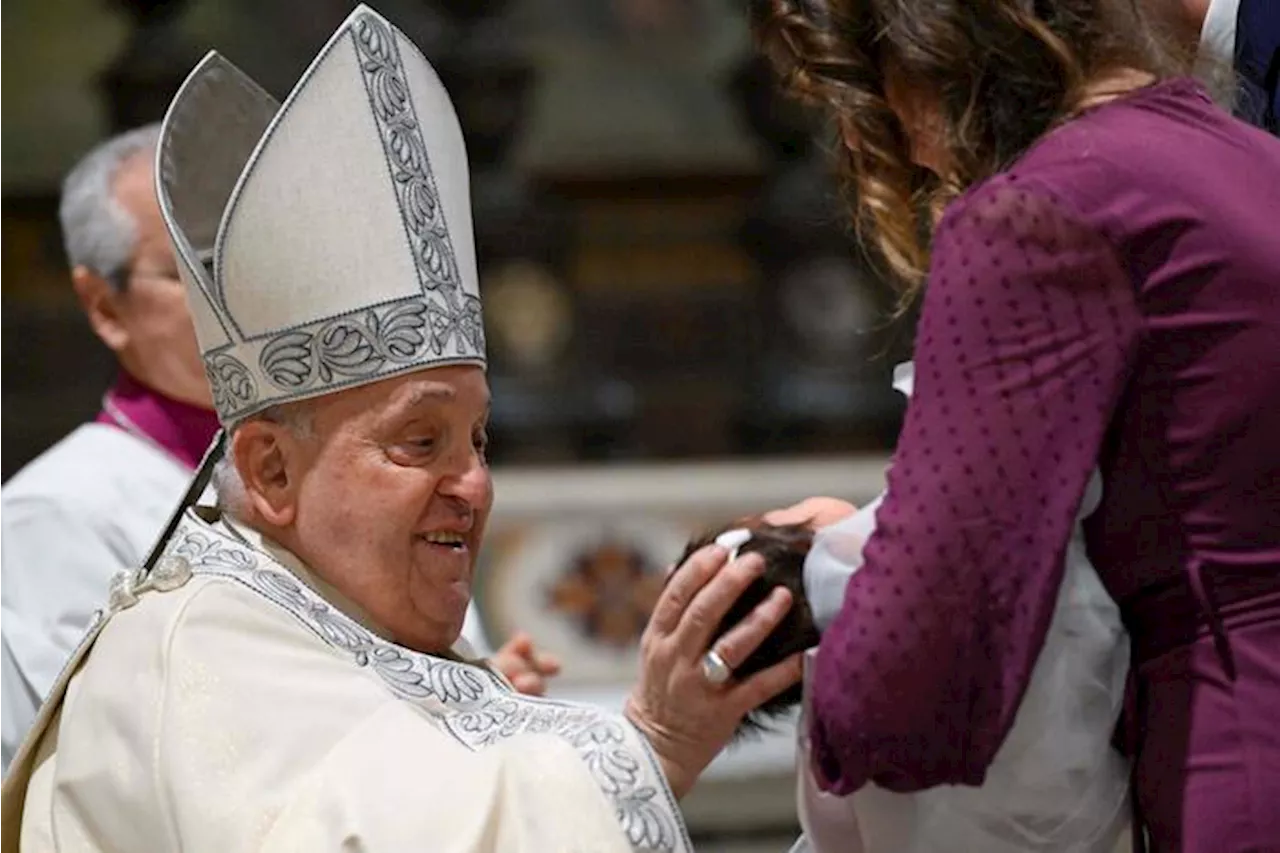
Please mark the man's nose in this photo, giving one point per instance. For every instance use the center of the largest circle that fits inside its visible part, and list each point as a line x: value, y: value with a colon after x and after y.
x: 468, y: 482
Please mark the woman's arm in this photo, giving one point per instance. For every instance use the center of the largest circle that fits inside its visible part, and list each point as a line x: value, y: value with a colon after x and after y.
x: 1026, y: 339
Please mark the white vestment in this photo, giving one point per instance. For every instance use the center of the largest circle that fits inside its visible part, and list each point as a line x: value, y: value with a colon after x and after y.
x: 91, y: 505
x: 1056, y: 785
x: 233, y: 702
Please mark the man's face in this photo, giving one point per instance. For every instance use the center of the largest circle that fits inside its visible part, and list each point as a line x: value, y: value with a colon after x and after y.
x: 394, y: 496
x: 154, y: 338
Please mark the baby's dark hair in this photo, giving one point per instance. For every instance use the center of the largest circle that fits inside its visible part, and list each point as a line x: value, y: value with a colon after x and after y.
x: 784, y: 549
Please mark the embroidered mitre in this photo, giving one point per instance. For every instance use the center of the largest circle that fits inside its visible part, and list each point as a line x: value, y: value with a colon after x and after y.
x: 325, y: 242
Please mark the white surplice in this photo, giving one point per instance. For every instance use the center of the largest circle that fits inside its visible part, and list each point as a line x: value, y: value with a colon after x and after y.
x: 1056, y: 785
x: 233, y: 702
x: 89, y: 506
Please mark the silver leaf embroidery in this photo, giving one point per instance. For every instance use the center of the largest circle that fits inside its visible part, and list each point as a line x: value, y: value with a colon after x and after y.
x: 479, y: 709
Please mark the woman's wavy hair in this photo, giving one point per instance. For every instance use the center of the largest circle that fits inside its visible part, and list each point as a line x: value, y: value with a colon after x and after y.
x: 1002, y: 73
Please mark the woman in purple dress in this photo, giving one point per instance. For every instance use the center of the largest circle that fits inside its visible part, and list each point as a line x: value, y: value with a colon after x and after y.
x: 1101, y: 246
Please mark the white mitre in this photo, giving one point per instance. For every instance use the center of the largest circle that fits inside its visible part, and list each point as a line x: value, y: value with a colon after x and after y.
x: 327, y: 242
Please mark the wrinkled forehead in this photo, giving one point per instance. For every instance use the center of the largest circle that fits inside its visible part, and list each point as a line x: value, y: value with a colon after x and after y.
x: 460, y: 390
x: 465, y: 384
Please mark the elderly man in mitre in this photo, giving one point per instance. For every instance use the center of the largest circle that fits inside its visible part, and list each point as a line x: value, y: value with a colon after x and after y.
x: 279, y: 676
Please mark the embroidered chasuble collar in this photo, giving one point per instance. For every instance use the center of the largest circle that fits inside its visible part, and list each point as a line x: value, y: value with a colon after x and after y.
x: 258, y: 541
x: 470, y: 703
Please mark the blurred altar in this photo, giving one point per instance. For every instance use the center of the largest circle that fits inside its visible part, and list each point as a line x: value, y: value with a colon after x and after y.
x: 680, y: 329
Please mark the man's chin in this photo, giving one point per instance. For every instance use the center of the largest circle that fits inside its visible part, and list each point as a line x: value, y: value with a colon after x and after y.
x: 458, y: 599
x: 447, y: 617
x: 435, y: 641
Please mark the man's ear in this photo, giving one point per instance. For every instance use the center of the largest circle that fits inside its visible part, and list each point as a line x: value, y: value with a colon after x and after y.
x: 268, y: 456
x: 102, y: 305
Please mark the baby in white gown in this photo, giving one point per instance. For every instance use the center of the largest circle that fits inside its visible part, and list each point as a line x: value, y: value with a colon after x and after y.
x: 1056, y: 783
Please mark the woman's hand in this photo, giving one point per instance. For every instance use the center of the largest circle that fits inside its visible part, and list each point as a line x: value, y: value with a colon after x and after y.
x: 813, y: 513
x: 686, y: 717
x: 525, y: 667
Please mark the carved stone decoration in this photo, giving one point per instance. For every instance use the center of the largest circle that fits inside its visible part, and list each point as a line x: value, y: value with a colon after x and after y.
x: 582, y: 582
x: 609, y: 592
x: 530, y: 316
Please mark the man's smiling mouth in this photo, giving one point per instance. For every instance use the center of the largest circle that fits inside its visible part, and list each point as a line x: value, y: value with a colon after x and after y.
x: 445, y: 539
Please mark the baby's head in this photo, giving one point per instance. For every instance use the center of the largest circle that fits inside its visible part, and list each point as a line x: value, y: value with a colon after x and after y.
x: 784, y: 550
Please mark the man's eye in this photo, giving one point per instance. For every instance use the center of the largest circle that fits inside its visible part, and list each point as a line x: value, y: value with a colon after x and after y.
x: 423, y: 444
x: 481, y: 443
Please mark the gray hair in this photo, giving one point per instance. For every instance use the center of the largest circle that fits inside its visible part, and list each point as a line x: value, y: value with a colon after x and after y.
x: 233, y: 499
x: 97, y: 231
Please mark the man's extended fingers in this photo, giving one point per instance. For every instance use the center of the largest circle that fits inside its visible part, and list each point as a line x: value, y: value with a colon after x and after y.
x: 738, y: 643
x: 752, y: 692
x: 520, y: 645
x: 701, y: 566
x: 529, y: 684
x: 713, y: 601
x: 546, y: 664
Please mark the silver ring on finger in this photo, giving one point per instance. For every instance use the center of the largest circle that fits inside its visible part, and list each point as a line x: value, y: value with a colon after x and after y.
x: 714, y: 668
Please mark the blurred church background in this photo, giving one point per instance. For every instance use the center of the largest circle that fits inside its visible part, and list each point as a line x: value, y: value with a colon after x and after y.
x: 680, y: 329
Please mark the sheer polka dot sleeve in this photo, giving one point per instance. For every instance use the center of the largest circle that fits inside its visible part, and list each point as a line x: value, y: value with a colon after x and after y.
x: 1028, y: 328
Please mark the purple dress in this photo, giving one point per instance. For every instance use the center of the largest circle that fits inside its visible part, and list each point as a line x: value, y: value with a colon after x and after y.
x: 1111, y: 300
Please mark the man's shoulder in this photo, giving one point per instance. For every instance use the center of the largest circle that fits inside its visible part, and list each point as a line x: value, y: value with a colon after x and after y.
x: 216, y: 654
x: 95, y: 465
x: 97, y: 476
x: 220, y: 626
x: 199, y: 617
x: 183, y: 679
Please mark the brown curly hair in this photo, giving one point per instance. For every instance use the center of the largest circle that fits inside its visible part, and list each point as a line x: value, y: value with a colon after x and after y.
x: 1001, y: 72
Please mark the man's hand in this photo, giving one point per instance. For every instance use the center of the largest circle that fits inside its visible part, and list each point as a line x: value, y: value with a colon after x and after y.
x: 813, y: 513
x: 686, y: 717
x: 524, y: 666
